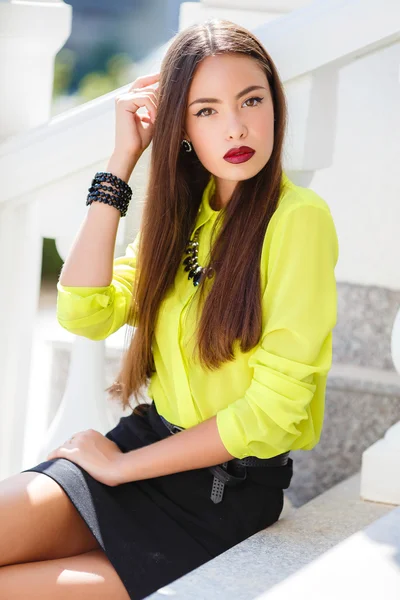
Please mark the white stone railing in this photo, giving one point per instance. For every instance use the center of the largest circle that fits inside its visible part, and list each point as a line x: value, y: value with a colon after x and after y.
x: 46, y: 165
x: 380, y: 469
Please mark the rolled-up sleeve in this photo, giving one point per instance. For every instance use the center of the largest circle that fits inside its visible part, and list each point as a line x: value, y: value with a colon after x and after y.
x: 299, y: 307
x: 97, y: 312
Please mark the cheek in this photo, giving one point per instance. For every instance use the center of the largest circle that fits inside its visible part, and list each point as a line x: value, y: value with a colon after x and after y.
x: 263, y: 123
x: 203, y: 140
x: 208, y: 154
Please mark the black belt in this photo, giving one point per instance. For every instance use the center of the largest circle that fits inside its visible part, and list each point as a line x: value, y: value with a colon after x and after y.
x: 221, y: 475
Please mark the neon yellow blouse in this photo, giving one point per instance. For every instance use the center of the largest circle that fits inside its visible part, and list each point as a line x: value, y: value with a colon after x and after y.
x: 272, y: 398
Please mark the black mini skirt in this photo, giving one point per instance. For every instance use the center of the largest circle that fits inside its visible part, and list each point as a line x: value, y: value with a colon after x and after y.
x: 156, y: 530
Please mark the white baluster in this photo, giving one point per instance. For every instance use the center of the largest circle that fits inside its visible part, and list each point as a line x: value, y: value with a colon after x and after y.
x: 380, y: 470
x: 84, y: 404
x: 20, y: 268
x: 395, y: 342
x: 39, y: 29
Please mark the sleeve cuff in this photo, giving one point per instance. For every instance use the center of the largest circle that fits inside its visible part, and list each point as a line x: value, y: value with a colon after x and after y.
x: 75, y: 302
x: 231, y: 433
x: 82, y: 292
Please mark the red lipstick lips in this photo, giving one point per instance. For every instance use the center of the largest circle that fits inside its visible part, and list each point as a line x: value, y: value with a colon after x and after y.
x: 239, y: 155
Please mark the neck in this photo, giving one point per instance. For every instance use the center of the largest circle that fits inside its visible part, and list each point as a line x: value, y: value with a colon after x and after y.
x: 213, y: 203
x: 222, y: 193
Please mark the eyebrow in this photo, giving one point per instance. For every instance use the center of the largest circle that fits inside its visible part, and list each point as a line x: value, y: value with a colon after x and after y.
x: 250, y: 88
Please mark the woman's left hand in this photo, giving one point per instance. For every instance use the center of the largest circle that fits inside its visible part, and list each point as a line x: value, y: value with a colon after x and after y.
x: 95, y: 453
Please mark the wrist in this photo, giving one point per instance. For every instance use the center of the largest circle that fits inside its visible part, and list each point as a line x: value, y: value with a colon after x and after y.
x: 124, y: 467
x: 122, y: 165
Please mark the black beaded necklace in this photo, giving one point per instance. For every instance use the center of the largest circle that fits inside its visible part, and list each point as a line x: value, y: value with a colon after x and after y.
x: 191, y: 264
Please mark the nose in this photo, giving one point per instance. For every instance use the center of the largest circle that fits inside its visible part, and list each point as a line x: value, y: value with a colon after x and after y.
x: 236, y: 129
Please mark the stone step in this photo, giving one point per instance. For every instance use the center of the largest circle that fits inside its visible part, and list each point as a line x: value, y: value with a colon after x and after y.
x: 271, y: 556
x: 364, y: 565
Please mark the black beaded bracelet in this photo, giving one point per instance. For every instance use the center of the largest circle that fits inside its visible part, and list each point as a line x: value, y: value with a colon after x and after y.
x: 119, y: 197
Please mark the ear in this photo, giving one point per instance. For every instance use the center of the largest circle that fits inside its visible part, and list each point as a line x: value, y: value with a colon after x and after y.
x: 185, y: 136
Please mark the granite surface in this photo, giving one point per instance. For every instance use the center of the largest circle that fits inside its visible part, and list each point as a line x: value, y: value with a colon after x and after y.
x: 354, y: 419
x: 270, y: 556
x: 366, y: 565
x: 364, y: 326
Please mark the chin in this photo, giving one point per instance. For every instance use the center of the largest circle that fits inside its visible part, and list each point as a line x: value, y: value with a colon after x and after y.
x: 245, y: 171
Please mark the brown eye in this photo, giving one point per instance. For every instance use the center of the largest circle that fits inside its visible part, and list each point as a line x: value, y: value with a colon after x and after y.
x: 200, y: 113
x: 259, y: 100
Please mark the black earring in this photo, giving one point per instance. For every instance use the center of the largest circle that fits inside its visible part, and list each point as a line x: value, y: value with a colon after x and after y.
x: 187, y: 145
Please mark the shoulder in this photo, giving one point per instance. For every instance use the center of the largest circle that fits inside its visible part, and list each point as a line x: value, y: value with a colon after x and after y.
x: 300, y: 211
x: 296, y: 196
x: 296, y: 203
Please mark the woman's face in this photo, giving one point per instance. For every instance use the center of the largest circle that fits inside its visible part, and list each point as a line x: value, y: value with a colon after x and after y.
x: 225, y: 120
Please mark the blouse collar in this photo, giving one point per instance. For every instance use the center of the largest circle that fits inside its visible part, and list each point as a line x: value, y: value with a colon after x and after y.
x: 206, y: 212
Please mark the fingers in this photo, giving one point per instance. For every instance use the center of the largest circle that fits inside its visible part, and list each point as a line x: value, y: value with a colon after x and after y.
x: 141, y: 94
x: 132, y: 101
x: 70, y: 444
x: 144, y: 80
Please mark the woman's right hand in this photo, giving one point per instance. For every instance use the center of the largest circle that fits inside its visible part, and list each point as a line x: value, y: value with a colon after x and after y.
x: 133, y: 132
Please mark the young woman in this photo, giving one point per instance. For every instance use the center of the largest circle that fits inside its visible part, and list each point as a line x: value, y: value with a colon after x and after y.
x: 230, y: 292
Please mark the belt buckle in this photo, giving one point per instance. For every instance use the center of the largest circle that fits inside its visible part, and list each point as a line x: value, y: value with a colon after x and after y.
x: 218, y: 486
x: 176, y: 428
x: 222, y: 478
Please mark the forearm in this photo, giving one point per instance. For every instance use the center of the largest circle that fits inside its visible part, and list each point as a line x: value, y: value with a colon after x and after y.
x: 90, y: 259
x: 194, y: 448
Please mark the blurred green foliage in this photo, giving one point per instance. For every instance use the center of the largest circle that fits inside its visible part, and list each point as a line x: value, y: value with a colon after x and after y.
x: 63, y: 71
x: 117, y: 72
x: 97, y: 83
x: 51, y: 260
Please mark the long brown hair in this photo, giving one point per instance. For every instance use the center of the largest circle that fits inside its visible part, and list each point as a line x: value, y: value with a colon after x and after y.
x: 232, y: 308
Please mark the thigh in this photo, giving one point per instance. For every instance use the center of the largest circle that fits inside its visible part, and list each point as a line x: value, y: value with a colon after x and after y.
x: 38, y: 521
x: 89, y: 575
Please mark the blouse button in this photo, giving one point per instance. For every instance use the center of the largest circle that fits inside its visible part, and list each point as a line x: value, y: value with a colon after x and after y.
x: 210, y: 272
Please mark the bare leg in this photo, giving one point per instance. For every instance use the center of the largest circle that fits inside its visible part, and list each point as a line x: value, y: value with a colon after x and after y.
x: 39, y: 522
x: 89, y: 576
